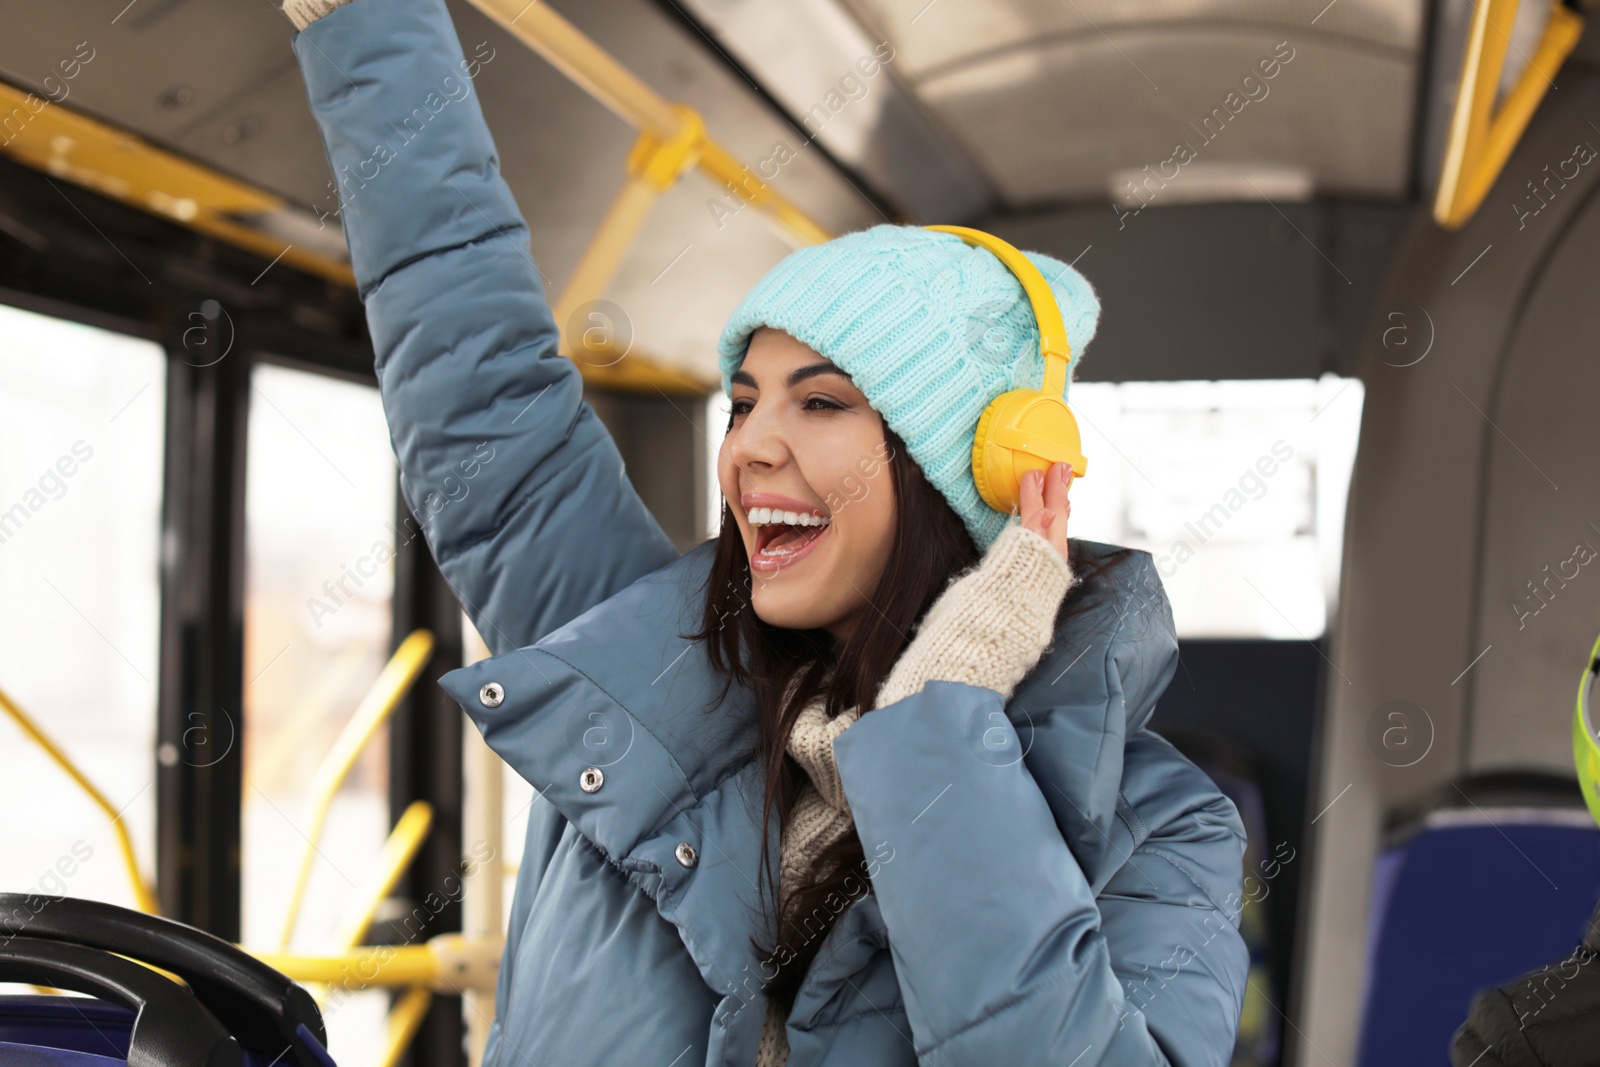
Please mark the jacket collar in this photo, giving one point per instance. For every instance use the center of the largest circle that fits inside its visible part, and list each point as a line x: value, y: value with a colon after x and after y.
x: 621, y: 686
x: 621, y: 691
x: 619, y: 701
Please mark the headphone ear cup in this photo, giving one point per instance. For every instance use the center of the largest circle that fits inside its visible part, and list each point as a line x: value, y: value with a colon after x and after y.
x: 1020, y: 431
x: 980, y: 462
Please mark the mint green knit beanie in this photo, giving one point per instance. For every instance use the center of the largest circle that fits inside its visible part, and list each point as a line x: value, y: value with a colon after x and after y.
x: 929, y: 328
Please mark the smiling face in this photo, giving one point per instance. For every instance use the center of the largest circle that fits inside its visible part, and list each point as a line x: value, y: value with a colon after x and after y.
x: 805, y: 444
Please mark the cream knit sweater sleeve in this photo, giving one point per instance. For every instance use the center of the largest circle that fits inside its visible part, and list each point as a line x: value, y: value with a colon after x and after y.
x: 304, y: 12
x: 992, y: 623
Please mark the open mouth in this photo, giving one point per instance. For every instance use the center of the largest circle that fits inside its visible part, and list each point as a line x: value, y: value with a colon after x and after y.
x: 783, y: 538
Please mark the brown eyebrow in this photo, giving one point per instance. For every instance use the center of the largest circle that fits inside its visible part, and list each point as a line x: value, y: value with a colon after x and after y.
x: 800, y: 374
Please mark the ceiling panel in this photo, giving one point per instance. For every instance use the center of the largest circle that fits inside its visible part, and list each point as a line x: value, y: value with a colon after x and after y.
x: 934, y: 35
x: 1052, y: 98
x: 154, y: 67
x: 1053, y: 122
x: 837, y: 82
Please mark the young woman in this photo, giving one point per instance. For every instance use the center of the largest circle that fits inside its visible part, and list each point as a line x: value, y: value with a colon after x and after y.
x: 863, y: 780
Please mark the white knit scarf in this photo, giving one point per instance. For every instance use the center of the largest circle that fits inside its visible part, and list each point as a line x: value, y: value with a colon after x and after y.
x: 820, y: 817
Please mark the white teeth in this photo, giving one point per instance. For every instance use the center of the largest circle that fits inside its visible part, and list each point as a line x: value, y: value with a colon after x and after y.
x: 764, y: 516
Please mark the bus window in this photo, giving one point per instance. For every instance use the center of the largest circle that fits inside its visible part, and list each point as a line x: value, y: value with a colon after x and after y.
x: 81, y: 416
x: 320, y: 504
x: 1236, y: 488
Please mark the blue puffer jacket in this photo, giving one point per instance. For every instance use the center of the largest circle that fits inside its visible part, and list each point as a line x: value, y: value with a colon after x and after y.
x: 1052, y: 883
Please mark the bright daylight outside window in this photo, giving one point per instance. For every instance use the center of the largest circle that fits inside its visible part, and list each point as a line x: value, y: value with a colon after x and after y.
x: 81, y: 416
x: 1237, y: 488
x: 320, y: 534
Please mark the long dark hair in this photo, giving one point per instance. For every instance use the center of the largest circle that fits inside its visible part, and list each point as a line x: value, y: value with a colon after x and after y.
x: 931, y: 548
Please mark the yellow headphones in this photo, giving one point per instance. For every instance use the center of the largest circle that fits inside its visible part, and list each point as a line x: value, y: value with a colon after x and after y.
x: 1586, y: 735
x: 1025, y: 429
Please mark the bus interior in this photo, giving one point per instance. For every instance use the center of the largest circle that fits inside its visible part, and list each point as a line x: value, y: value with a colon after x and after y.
x: 1306, y: 222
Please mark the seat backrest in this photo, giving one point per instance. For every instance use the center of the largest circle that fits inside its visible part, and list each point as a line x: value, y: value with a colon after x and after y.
x: 1475, y: 897
x: 82, y: 1026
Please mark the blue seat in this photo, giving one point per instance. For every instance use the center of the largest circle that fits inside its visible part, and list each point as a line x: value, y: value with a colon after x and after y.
x: 224, y: 1007
x: 1469, y: 897
x: 57, y: 1031
x: 13, y: 1055
x: 77, y: 1031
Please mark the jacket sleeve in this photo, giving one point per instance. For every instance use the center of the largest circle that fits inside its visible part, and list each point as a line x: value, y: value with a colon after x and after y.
x: 519, y: 489
x: 1004, y: 951
x: 1548, y: 1016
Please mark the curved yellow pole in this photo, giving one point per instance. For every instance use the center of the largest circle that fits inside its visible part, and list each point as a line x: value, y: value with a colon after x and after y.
x: 1561, y: 35
x: 585, y: 63
x: 1481, y: 139
x: 375, y: 708
x: 398, y: 852
x: 143, y: 897
x: 404, y: 1019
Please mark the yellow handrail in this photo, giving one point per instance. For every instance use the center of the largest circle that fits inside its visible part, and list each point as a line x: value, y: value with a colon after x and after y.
x: 144, y: 899
x: 398, y: 851
x: 672, y: 140
x: 653, y: 167
x: 446, y: 963
x: 91, y: 153
x: 1481, y: 140
x: 375, y: 708
x: 586, y: 64
x: 404, y: 1019
x: 66, y: 144
x: 358, y: 968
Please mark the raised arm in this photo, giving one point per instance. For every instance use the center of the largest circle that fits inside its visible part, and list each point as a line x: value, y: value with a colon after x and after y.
x: 519, y: 489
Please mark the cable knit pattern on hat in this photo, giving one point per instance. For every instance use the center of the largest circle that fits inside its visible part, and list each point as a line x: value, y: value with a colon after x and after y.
x: 304, y: 12
x: 988, y: 628
x: 930, y: 328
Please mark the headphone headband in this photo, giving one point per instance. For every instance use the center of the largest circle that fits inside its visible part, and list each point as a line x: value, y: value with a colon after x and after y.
x: 1053, y: 344
x: 1025, y: 429
x: 1585, y: 738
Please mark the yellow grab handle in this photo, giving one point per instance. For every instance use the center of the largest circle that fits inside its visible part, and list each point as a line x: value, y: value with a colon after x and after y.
x: 144, y: 899
x: 392, y: 683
